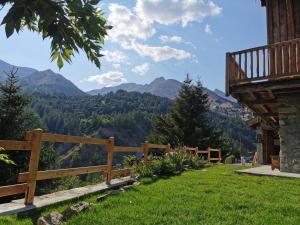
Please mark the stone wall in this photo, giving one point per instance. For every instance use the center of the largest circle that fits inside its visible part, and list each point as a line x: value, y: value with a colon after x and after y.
x: 289, y: 132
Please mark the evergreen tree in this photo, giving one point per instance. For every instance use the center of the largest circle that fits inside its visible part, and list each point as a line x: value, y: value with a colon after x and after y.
x: 187, y: 123
x: 14, y: 120
x: 12, y: 108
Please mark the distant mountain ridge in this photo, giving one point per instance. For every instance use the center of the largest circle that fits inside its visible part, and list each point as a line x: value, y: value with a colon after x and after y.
x: 156, y: 87
x: 162, y: 87
x: 46, y: 81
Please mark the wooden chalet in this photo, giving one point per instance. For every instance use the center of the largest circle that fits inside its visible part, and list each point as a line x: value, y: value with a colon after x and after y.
x: 266, y: 79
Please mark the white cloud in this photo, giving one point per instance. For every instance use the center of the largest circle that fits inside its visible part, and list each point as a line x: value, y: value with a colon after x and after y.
x: 159, y: 54
x: 173, y: 11
x: 176, y: 39
x: 127, y: 26
x: 207, y: 29
x: 141, y: 69
x: 116, y: 65
x: 108, y: 79
x: 114, y: 56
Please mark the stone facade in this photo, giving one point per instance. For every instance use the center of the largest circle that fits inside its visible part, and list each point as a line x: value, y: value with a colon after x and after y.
x: 289, y: 132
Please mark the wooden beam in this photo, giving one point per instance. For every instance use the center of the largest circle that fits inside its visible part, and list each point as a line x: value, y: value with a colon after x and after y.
x: 110, y: 151
x: 261, y: 101
x: 202, y: 152
x: 127, y: 149
x: 264, y: 108
x: 157, y: 146
x: 252, y: 95
x: 121, y: 171
x: 16, y: 145
x: 33, y: 165
x: 73, y: 139
x: 271, y: 94
x: 270, y: 85
x: 12, y: 189
x: 51, y: 174
x: 270, y: 114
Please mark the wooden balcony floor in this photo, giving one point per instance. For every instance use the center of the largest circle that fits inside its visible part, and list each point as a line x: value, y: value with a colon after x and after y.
x: 262, y: 97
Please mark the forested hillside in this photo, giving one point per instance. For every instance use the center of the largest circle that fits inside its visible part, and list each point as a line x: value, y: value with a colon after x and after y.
x: 128, y: 116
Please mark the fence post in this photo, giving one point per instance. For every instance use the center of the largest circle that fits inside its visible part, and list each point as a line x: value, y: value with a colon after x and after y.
x: 208, y: 155
x: 168, y: 149
x: 35, y: 137
x: 145, y: 150
x: 196, y: 151
x: 110, y: 149
x: 220, y: 155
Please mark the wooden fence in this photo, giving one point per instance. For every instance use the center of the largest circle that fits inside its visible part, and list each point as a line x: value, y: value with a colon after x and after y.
x: 207, y: 154
x: 33, y: 142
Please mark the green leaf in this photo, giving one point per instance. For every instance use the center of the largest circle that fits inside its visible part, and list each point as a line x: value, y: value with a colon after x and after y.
x: 9, y: 28
x: 60, y: 62
x: 5, y: 158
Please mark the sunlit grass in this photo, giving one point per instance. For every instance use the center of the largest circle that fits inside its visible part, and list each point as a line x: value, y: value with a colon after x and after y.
x: 215, y: 195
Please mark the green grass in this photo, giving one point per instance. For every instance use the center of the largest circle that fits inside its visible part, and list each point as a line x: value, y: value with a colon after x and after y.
x: 215, y: 195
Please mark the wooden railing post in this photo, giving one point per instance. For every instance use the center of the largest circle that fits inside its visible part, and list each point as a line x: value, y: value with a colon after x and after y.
x: 35, y: 137
x: 145, y: 150
x: 196, y: 151
x: 168, y: 149
x: 220, y: 155
x: 208, y: 155
x: 110, y: 149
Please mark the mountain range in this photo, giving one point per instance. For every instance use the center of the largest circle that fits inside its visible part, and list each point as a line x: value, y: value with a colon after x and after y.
x: 45, y: 81
x: 49, y: 82
x: 162, y: 87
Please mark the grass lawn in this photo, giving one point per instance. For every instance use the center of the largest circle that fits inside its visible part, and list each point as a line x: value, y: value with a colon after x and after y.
x: 215, y: 195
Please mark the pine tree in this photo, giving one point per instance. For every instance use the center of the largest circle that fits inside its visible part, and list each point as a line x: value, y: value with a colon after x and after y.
x: 189, y: 114
x: 187, y: 124
x: 13, y: 116
x: 12, y: 108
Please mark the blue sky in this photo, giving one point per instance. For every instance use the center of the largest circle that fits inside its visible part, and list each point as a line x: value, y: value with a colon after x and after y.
x: 162, y: 38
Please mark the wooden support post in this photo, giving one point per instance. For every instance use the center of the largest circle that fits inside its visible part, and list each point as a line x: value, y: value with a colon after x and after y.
x: 196, y: 151
x: 110, y: 149
x: 168, y: 149
x: 33, y: 164
x: 208, y: 155
x: 220, y: 155
x: 145, y: 150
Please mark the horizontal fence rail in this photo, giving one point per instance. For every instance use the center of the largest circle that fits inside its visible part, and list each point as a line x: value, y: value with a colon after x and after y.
x: 127, y: 149
x: 269, y: 62
x: 33, y: 142
x: 13, y: 189
x: 16, y: 145
x: 51, y: 174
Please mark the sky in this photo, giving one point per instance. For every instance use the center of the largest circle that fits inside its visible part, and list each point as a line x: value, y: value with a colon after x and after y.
x: 153, y: 38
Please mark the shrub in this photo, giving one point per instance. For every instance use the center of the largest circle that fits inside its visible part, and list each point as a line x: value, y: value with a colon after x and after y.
x: 169, y: 165
x: 198, y: 163
x: 178, y: 159
x: 144, y: 170
x: 130, y: 160
x: 156, y: 166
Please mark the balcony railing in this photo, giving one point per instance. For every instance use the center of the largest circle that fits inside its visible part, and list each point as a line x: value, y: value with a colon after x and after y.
x: 261, y: 64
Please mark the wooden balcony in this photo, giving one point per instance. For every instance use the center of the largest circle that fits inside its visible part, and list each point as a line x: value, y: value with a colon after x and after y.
x: 256, y: 76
